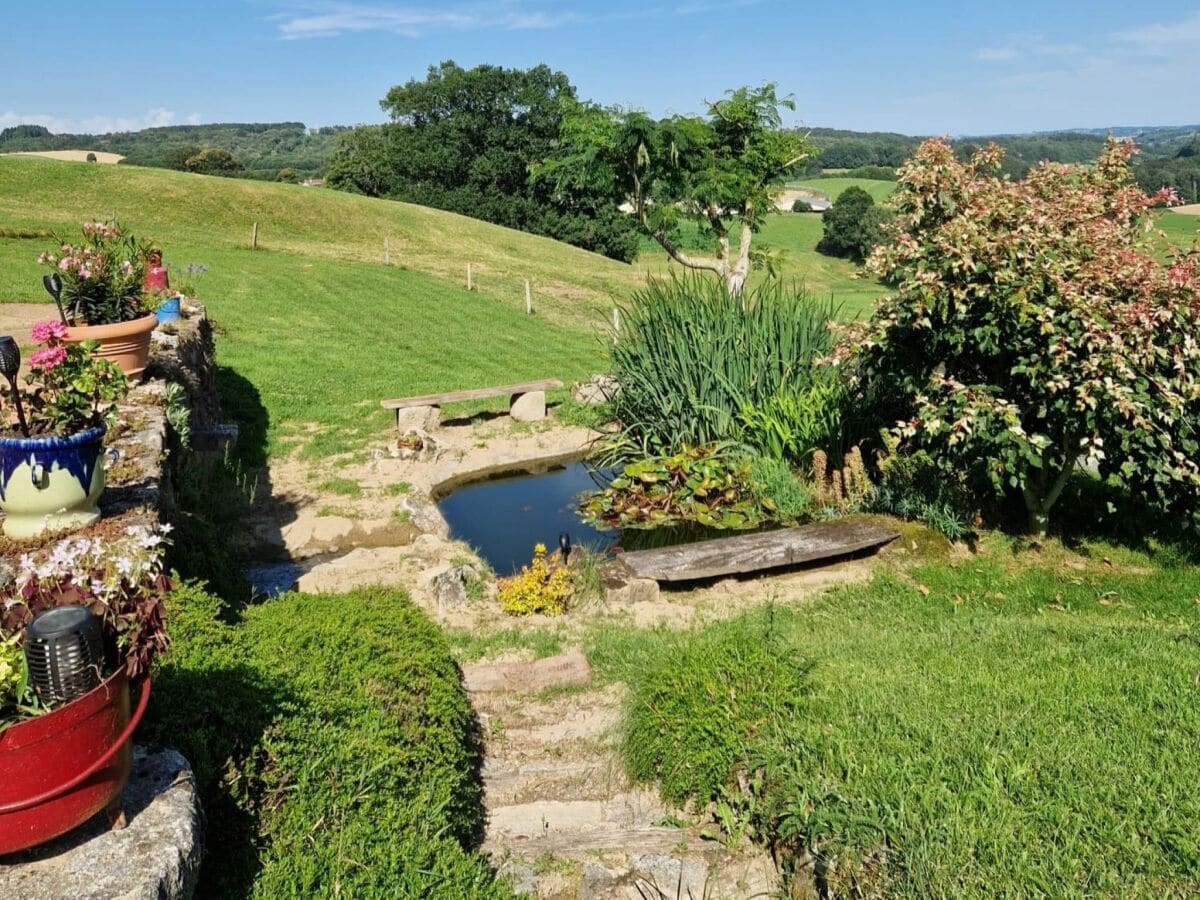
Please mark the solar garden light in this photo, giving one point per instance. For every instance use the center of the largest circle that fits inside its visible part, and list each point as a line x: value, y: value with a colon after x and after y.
x: 53, y: 285
x: 10, y: 365
x: 564, y: 544
x: 64, y: 650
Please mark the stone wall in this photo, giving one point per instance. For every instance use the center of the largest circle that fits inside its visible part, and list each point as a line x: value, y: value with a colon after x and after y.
x: 158, y: 854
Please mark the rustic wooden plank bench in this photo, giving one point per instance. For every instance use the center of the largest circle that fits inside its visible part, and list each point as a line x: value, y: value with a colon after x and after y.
x: 515, y: 391
x: 744, y: 553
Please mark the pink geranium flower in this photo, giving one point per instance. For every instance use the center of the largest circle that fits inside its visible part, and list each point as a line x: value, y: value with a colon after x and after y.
x: 47, y: 332
x: 48, y: 358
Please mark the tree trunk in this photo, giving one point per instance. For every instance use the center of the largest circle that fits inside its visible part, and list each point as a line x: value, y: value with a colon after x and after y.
x: 1041, y: 494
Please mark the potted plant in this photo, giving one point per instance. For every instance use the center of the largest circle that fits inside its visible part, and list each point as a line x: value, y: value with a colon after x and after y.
x: 51, y: 459
x: 64, y: 759
x: 98, y: 286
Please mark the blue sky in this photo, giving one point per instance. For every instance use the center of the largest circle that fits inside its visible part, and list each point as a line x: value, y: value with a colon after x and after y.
x: 920, y: 68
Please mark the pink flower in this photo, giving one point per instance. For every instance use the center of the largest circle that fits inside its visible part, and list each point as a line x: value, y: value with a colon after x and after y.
x: 48, y: 357
x: 47, y: 332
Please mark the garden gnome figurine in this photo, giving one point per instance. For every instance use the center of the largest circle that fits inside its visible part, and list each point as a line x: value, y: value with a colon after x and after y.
x: 155, y: 278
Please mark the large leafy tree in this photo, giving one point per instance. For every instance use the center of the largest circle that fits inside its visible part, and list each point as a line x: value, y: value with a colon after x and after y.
x: 852, y: 226
x: 464, y: 140
x: 1032, y: 327
x: 718, y: 171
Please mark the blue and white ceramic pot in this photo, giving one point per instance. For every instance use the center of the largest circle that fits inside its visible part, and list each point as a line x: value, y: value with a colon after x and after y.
x: 51, y: 483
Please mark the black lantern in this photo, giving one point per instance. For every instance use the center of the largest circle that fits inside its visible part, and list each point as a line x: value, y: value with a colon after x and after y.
x: 64, y: 650
x: 564, y: 545
x: 10, y: 365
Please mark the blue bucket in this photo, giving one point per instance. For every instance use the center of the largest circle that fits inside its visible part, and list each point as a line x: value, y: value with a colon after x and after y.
x: 168, y: 310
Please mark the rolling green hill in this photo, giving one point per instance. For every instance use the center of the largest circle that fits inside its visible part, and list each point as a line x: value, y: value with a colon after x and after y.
x: 313, y: 327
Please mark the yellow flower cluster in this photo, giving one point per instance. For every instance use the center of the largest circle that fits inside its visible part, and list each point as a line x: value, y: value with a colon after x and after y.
x: 541, y: 587
x: 11, y: 669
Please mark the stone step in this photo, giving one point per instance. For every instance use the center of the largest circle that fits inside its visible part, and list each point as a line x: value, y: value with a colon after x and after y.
x: 635, y: 864
x: 593, y: 779
x: 628, y: 809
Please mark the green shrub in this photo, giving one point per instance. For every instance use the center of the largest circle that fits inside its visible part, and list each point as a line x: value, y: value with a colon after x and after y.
x: 778, y: 489
x: 697, y: 712
x: 334, y: 747
x: 853, y: 225
x: 794, y: 423
x: 690, y: 357
x: 800, y: 205
x: 912, y: 486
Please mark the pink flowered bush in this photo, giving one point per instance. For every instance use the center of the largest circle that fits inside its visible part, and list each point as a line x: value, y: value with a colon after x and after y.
x: 101, y: 275
x: 68, y: 391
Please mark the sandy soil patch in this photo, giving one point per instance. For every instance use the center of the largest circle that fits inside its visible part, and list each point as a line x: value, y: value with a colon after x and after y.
x: 72, y: 155
x: 1192, y: 209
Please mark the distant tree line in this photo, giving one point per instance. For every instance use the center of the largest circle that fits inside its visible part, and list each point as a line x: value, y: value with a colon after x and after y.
x: 464, y: 140
x: 1181, y: 172
x: 261, y: 150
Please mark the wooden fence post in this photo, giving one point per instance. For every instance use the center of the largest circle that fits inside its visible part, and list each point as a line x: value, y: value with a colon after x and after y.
x: 254, y: 237
x: 469, y: 287
x: 386, y: 258
x: 528, y: 299
x: 616, y: 322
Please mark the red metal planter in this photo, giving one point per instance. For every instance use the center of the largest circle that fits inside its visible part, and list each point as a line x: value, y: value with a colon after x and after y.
x: 60, y: 769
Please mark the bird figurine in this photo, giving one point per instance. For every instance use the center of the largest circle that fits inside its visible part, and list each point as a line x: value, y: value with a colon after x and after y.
x: 564, y: 544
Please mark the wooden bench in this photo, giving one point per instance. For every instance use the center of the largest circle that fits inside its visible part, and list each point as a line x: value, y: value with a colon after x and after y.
x: 527, y: 400
x: 744, y: 553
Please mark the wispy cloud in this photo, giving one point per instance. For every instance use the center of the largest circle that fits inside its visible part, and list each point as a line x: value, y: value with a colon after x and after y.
x: 152, y: 118
x: 1163, y: 38
x: 333, y: 19
x: 1027, y: 46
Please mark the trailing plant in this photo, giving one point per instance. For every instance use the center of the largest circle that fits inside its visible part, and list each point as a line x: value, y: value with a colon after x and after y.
x: 187, y: 280
x: 845, y: 489
x: 543, y: 587
x: 101, y: 275
x: 690, y: 357
x: 793, y: 424
x: 179, y: 414
x: 1032, y: 326
x: 67, y: 389
x: 706, y: 485
x: 119, y: 578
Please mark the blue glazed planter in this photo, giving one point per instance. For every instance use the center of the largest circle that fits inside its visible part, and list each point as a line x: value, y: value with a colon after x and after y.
x: 51, y: 483
x: 168, y: 310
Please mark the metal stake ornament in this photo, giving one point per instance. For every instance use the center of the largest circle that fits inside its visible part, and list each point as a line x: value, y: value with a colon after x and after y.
x: 53, y: 285
x: 10, y: 365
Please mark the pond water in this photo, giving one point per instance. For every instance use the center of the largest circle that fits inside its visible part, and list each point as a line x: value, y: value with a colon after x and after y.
x: 502, y: 518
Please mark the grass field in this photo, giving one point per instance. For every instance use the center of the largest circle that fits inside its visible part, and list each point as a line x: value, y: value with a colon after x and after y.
x: 833, y: 187
x: 310, y: 333
x: 1009, y: 726
x: 195, y: 215
x: 1182, y: 230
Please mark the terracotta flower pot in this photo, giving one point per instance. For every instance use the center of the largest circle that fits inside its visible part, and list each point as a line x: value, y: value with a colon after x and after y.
x: 51, y: 483
x: 60, y: 769
x: 126, y: 343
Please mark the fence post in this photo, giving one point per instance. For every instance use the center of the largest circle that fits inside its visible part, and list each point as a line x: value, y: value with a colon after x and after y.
x: 528, y: 299
x: 386, y: 258
x: 616, y: 322
x: 254, y: 237
x: 469, y: 287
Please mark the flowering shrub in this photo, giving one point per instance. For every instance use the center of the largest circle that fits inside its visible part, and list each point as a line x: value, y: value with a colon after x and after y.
x: 68, y: 390
x: 1031, y: 326
x: 541, y: 587
x: 101, y: 275
x: 120, y: 579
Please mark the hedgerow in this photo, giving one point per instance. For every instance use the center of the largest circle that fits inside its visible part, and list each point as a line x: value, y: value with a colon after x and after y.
x: 334, y: 747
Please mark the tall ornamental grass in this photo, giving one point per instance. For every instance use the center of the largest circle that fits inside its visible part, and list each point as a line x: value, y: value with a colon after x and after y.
x: 690, y: 357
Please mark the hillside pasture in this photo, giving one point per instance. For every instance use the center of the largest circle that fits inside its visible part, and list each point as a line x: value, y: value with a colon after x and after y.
x: 833, y: 187
x: 72, y: 155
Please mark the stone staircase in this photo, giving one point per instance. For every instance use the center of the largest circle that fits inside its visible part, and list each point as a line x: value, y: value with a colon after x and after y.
x: 564, y: 821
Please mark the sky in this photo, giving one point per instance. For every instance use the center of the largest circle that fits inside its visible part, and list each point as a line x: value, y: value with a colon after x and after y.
x: 940, y: 67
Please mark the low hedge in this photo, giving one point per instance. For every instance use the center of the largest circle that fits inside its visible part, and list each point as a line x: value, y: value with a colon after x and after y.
x: 334, y: 747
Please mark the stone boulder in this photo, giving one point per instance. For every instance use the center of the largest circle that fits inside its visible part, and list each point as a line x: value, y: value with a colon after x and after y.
x: 596, y: 390
x: 156, y: 856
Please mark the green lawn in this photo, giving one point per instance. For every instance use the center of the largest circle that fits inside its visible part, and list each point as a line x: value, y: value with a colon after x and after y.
x: 1002, y: 727
x: 194, y: 216
x: 833, y: 187
x: 1181, y: 230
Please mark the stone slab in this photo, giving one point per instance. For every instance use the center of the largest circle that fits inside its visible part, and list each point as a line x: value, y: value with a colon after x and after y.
x: 745, y: 553
x: 155, y: 857
x: 526, y: 677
